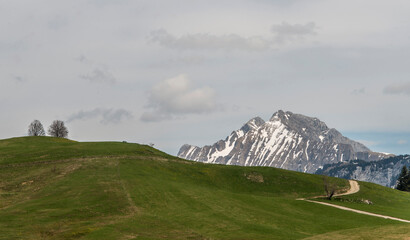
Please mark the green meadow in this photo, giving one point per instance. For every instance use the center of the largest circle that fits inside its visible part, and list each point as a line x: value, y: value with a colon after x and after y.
x: 52, y: 188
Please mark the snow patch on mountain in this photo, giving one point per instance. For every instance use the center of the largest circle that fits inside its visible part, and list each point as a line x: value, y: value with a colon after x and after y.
x: 290, y: 141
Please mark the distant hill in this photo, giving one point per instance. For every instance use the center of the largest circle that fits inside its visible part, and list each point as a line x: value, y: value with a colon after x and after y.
x: 52, y: 188
x: 384, y: 172
x: 288, y: 140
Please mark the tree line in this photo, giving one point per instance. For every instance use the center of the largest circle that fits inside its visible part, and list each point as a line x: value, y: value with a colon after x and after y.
x: 56, y: 129
x: 403, y: 183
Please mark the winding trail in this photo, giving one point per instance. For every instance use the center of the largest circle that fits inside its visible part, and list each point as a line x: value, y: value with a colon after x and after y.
x: 354, y: 188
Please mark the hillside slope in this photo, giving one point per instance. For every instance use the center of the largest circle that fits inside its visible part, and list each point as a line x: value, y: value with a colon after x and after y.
x: 60, y: 189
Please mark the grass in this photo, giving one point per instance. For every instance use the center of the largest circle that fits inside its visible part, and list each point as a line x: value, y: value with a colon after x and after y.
x: 40, y: 149
x: 386, y: 201
x: 369, y: 233
x: 60, y: 189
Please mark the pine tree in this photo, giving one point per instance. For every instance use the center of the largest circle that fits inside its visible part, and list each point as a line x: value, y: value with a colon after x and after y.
x: 403, y: 183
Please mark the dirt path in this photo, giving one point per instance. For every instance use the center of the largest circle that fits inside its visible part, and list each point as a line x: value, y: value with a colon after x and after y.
x: 354, y: 188
x: 359, y: 211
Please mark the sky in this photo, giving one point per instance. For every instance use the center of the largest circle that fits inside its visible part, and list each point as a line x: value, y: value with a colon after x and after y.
x: 183, y: 71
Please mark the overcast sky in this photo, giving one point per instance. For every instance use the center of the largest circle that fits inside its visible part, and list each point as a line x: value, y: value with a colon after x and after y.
x: 175, y: 72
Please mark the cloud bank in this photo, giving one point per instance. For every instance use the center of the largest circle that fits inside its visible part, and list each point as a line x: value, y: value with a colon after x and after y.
x: 177, y: 97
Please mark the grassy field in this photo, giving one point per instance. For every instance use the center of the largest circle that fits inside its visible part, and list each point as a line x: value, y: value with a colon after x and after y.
x: 60, y: 189
x: 386, y: 201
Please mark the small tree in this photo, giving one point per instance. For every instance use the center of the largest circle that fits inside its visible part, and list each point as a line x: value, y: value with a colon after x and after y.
x: 57, y: 129
x: 330, y: 188
x: 403, y: 182
x: 36, y: 129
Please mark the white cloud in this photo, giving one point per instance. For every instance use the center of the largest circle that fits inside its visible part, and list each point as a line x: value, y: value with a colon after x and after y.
x: 107, y: 115
x: 402, y: 142
x: 402, y: 88
x: 177, y: 97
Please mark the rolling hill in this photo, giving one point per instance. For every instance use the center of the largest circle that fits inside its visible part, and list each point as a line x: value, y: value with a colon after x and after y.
x: 53, y: 188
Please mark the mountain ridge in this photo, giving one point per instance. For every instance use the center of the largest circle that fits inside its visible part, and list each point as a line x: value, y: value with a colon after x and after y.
x: 287, y: 140
x: 383, y: 172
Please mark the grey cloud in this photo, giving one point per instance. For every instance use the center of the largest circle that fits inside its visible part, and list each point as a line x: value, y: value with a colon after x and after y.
x: 104, y: 3
x: 107, y: 115
x: 19, y: 79
x: 286, y: 32
x: 83, y: 59
x: 155, y: 116
x: 99, y: 75
x: 401, y: 88
x: 177, y: 97
x: 208, y: 41
x: 57, y: 22
x: 283, y: 33
x: 358, y: 91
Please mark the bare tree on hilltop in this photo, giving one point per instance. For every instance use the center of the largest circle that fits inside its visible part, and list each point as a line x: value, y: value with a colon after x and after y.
x: 58, y: 129
x: 36, y: 129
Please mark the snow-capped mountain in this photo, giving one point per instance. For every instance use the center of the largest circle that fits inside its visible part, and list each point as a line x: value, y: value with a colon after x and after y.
x: 290, y: 141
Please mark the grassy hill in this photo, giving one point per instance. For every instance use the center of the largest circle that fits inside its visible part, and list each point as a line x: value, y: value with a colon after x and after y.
x: 60, y: 189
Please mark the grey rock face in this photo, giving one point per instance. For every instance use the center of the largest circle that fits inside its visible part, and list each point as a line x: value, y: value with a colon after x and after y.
x: 290, y: 141
x: 384, y: 172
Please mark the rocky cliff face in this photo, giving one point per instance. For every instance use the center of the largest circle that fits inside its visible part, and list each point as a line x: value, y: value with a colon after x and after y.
x: 290, y: 141
x: 384, y: 172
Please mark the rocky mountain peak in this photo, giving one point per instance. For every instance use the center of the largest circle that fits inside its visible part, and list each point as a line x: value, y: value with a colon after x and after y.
x: 299, y: 122
x: 252, y: 124
x: 288, y: 140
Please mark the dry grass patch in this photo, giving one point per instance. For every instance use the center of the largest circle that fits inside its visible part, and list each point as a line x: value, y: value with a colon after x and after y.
x: 254, y: 177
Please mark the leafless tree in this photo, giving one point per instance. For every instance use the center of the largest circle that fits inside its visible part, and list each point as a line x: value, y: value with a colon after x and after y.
x: 57, y: 129
x: 330, y: 188
x: 36, y: 129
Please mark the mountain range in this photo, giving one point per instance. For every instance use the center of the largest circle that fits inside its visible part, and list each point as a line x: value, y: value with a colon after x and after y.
x: 287, y: 140
x: 384, y: 172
